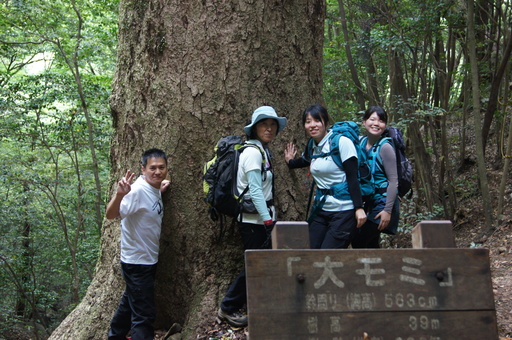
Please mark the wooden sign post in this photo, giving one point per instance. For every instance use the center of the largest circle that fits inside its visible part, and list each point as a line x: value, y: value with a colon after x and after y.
x: 290, y: 235
x: 433, y: 234
x: 391, y: 294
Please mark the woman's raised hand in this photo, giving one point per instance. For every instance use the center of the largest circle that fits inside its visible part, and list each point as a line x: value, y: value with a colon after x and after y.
x: 290, y: 152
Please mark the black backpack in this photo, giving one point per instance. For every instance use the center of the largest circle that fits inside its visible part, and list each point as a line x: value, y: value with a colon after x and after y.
x: 403, y: 164
x: 220, y: 179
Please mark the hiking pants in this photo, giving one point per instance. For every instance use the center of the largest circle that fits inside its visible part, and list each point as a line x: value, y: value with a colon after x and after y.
x: 368, y: 236
x: 254, y: 236
x: 136, y: 311
x: 332, y: 229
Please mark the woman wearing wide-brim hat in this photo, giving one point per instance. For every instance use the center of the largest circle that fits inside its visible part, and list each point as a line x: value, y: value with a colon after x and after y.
x: 258, y: 215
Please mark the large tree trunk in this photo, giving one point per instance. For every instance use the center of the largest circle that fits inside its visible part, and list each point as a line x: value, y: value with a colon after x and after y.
x: 187, y: 74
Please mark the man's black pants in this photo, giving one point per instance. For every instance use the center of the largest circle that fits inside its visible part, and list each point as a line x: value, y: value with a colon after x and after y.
x: 136, y: 311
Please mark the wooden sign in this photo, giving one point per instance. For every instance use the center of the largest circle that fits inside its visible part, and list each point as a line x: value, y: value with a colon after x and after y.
x: 391, y: 294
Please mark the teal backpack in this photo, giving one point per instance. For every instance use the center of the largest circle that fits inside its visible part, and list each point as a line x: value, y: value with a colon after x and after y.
x: 403, y: 164
x: 350, y: 130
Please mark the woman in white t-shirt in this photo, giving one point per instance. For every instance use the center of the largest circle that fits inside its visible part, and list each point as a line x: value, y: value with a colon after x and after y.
x: 332, y: 224
x: 258, y: 214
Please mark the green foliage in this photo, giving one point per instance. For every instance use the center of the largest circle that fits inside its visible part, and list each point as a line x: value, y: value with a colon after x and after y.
x: 338, y: 90
x: 50, y: 237
x: 55, y: 27
x: 377, y: 31
x: 410, y: 216
x: 410, y: 57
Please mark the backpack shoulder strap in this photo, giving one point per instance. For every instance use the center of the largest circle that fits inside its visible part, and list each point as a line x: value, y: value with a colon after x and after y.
x: 239, y: 149
x: 246, y: 145
x: 334, y: 142
x: 362, y: 142
x: 340, y: 129
x: 375, y: 151
x: 263, y: 161
x: 308, y: 152
x: 382, y: 141
x: 335, y: 149
x: 350, y: 130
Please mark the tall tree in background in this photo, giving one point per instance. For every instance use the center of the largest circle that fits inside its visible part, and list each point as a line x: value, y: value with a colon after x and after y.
x: 353, y: 72
x: 494, y: 48
x: 475, y: 85
x: 187, y: 74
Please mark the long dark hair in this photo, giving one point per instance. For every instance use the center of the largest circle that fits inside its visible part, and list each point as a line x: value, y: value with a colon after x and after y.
x: 318, y: 112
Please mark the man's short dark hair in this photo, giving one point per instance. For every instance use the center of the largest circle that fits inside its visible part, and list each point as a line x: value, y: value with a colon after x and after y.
x: 152, y: 153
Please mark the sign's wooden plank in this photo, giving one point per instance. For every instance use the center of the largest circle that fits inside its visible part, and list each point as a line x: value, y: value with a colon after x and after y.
x: 369, y: 290
x: 290, y: 235
x: 470, y: 325
x: 369, y: 280
x: 433, y: 234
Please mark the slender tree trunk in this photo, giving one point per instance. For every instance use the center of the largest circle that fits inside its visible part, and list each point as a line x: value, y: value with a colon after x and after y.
x: 51, y: 191
x: 492, y: 105
x: 445, y: 68
x: 465, y: 102
x: 372, y: 84
x: 507, y: 154
x: 506, y: 170
x: 399, y: 96
x: 482, y: 171
x: 187, y: 74
x: 350, y: 60
x: 20, y: 309
x: 74, y: 67
x: 440, y: 132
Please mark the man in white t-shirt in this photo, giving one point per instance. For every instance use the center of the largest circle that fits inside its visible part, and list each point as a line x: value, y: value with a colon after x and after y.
x: 141, y: 210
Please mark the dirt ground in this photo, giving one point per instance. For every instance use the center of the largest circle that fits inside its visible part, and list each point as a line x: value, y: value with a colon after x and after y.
x: 500, y: 251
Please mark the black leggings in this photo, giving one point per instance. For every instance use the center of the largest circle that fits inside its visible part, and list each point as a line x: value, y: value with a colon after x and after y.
x: 254, y: 236
x: 368, y: 236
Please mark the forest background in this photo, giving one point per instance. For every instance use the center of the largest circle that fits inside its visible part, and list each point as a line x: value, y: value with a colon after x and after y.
x: 444, y: 78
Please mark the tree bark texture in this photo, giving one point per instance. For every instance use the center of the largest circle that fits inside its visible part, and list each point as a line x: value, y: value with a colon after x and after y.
x: 475, y: 90
x: 506, y: 154
x: 187, y: 74
x: 492, y: 106
x: 352, y: 67
x: 399, y: 100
